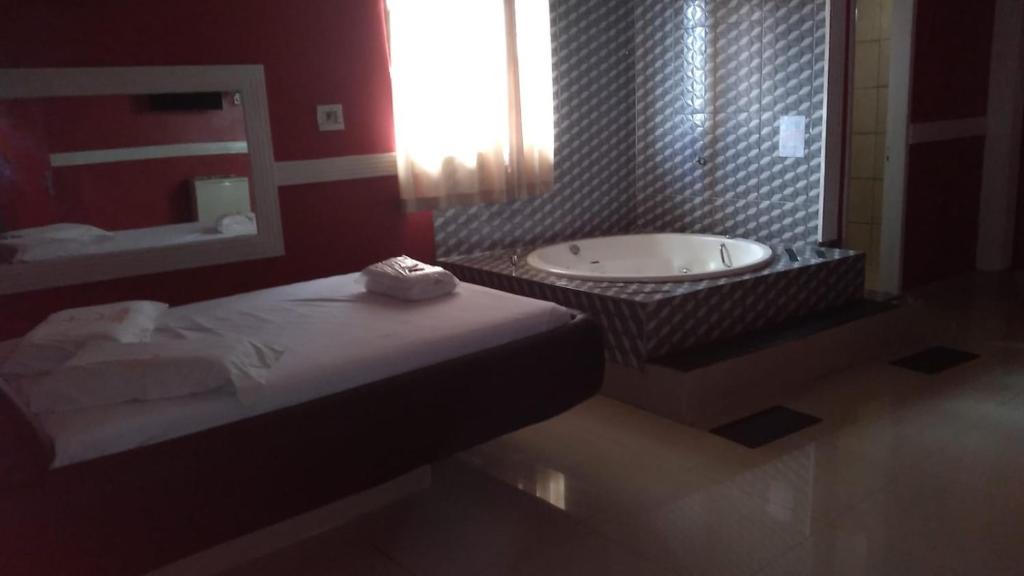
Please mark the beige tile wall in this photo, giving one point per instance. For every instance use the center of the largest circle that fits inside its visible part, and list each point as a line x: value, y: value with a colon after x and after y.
x: 870, y: 113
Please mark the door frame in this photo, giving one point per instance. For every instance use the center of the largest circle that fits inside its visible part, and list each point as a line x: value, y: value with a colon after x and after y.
x: 897, y: 147
x: 838, y: 116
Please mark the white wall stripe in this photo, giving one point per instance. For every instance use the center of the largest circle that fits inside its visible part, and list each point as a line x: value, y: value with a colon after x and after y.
x: 109, y: 155
x: 336, y: 168
x: 948, y: 130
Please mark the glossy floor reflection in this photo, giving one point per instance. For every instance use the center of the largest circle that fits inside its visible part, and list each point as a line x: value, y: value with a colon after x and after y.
x: 908, y: 474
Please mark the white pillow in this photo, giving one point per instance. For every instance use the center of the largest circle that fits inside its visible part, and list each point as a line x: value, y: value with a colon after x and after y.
x: 61, y: 231
x: 105, y: 373
x: 60, y: 336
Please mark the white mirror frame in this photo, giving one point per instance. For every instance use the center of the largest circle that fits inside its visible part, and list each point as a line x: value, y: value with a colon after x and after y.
x: 249, y: 80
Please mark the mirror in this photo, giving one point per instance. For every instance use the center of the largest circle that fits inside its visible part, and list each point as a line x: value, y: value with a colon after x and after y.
x: 98, y: 174
x: 112, y: 172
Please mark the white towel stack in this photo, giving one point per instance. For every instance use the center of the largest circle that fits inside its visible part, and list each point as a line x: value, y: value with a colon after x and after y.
x: 408, y: 279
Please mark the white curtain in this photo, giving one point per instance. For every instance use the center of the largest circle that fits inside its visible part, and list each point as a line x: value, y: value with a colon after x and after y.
x: 473, y: 100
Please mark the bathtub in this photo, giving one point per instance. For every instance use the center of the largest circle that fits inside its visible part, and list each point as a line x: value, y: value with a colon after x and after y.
x: 652, y: 258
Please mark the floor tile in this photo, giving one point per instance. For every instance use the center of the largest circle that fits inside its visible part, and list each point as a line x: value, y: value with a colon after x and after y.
x: 583, y: 554
x: 719, y: 531
x: 819, y: 480
x: 605, y: 459
x: 464, y: 524
x: 935, y: 517
x: 337, y: 552
x: 831, y: 552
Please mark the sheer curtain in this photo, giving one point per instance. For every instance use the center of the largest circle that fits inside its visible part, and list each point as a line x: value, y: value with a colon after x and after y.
x: 473, y: 100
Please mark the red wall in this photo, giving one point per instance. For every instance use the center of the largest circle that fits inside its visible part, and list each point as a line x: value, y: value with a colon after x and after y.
x: 943, y: 200
x: 314, y: 52
x: 24, y: 171
x: 125, y: 195
x: 98, y: 122
x: 114, y: 196
x: 952, y: 51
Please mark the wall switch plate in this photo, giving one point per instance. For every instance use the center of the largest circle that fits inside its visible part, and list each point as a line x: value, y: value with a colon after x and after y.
x: 793, y: 136
x: 330, y: 117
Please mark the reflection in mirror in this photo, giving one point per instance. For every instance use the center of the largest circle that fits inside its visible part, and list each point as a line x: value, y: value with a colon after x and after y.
x: 91, y: 175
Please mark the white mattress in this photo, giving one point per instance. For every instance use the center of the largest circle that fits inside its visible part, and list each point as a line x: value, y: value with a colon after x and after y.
x: 336, y: 337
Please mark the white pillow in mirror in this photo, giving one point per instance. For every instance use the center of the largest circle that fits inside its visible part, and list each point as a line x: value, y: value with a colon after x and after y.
x: 60, y: 336
x: 60, y: 231
x: 105, y: 373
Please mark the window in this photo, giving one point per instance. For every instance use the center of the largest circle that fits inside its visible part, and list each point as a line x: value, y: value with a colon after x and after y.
x: 472, y: 99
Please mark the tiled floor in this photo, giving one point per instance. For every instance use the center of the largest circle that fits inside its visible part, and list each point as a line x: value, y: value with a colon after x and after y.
x: 907, y: 474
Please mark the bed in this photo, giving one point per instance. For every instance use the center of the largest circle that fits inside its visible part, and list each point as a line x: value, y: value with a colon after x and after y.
x: 368, y: 389
x: 112, y: 242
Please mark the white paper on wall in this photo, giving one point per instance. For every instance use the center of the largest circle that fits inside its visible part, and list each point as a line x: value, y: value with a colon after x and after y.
x: 792, y: 136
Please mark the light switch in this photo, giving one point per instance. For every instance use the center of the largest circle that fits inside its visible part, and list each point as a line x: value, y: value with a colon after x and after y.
x: 330, y: 117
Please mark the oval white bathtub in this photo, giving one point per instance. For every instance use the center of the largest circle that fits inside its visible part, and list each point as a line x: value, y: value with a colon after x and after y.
x: 652, y: 257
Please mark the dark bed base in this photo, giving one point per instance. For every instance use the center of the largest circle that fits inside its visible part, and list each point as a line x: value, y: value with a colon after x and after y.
x: 135, y: 511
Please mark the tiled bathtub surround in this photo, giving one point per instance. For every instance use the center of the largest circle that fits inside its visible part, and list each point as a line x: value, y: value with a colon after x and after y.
x: 645, y: 320
x: 667, y: 119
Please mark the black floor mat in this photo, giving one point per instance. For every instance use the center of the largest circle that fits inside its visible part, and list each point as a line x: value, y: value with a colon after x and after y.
x: 934, y: 360
x: 765, y: 427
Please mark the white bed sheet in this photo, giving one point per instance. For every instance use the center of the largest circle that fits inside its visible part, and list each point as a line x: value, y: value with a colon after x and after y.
x: 336, y: 337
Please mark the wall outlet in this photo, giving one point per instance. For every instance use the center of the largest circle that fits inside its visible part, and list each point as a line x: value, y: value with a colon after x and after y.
x: 330, y: 117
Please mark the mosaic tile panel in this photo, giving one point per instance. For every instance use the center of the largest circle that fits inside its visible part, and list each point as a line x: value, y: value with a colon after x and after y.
x: 761, y: 60
x: 648, y: 320
x: 667, y: 119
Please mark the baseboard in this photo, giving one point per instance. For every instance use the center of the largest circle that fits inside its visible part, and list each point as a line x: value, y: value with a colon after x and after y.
x: 241, y: 550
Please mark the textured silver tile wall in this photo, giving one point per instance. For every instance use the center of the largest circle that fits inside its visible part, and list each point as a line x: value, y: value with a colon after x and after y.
x: 667, y: 119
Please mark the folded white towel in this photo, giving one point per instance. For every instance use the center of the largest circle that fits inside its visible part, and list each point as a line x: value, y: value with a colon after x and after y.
x: 408, y: 279
x: 237, y: 223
